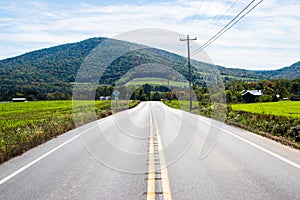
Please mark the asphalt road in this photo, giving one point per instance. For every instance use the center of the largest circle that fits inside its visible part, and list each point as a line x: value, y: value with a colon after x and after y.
x: 154, y: 152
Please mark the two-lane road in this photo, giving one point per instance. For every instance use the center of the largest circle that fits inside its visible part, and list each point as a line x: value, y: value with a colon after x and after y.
x: 154, y: 152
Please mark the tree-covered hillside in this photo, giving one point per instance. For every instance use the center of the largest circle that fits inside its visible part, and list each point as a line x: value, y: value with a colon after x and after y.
x: 44, y: 71
x: 49, y: 73
x: 290, y: 72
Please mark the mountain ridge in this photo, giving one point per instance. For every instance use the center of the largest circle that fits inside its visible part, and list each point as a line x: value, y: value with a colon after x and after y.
x: 288, y: 72
x: 52, y: 69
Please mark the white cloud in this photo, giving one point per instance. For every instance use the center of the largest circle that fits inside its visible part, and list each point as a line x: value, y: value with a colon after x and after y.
x: 267, y: 37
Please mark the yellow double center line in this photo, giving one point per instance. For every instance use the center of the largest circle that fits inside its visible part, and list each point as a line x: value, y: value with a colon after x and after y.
x: 155, y: 138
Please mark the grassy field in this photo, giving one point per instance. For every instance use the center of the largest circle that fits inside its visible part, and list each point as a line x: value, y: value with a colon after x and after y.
x: 281, y: 108
x: 26, y: 125
x: 241, y: 78
x: 156, y: 81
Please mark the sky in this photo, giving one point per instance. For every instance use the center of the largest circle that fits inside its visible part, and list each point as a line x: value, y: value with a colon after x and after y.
x: 267, y: 38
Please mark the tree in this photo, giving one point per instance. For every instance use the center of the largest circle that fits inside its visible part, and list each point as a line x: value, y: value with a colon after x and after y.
x: 156, y: 96
x: 265, y: 98
x: 147, y: 90
x: 228, y: 96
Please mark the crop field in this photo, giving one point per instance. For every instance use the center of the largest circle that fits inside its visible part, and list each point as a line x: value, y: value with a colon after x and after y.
x: 19, y: 114
x: 240, y: 78
x: 281, y: 108
x: 26, y: 125
x: 156, y: 81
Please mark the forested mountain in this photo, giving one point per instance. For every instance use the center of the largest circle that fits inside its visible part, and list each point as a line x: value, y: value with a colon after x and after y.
x: 44, y: 71
x: 290, y: 72
x: 51, y: 71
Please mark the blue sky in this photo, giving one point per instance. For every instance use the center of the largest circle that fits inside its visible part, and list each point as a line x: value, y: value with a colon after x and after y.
x: 268, y: 38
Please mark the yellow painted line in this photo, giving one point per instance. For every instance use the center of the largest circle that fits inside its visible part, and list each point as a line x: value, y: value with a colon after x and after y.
x: 151, y: 166
x: 163, y: 166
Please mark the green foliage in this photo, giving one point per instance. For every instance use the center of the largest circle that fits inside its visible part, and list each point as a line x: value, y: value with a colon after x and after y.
x: 156, y: 82
x: 44, y: 71
x: 147, y: 90
x: 281, y: 108
x: 41, y: 74
x: 156, y: 97
x: 271, y: 88
x: 282, y: 126
x: 265, y: 98
x: 290, y: 72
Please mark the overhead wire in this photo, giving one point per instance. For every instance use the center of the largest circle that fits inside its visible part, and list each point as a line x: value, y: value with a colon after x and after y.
x: 194, y: 16
x: 228, y: 26
x: 218, y: 17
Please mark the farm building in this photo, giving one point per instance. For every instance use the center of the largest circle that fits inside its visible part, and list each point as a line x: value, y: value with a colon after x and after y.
x: 19, y: 100
x: 251, y: 96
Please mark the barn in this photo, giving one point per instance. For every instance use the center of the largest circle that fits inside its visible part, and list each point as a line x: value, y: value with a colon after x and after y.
x: 251, y: 96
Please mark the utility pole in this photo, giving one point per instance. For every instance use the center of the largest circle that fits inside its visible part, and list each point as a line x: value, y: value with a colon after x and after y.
x: 189, y: 66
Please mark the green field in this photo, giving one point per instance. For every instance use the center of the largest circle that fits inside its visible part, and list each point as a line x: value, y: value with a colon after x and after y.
x: 26, y: 125
x: 281, y: 108
x: 240, y: 78
x: 21, y: 114
x: 156, y: 81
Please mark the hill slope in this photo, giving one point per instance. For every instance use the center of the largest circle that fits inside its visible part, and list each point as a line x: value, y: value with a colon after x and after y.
x: 290, y: 72
x: 50, y: 70
x: 43, y: 71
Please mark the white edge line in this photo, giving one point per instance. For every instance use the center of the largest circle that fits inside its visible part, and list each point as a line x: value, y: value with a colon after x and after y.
x: 257, y: 146
x: 10, y: 176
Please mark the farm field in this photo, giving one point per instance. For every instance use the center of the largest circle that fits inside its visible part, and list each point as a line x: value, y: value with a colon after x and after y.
x: 240, y: 78
x: 156, y: 81
x: 26, y: 125
x: 281, y: 108
x: 20, y: 114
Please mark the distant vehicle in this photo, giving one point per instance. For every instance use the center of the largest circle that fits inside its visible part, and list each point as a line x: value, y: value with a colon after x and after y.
x: 19, y: 100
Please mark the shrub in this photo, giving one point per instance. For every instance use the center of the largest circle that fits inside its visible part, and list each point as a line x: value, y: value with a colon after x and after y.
x: 265, y: 98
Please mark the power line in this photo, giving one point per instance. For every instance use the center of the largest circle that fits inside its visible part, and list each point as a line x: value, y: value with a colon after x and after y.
x: 232, y: 24
x: 194, y: 16
x: 218, y: 18
x: 227, y: 25
x: 234, y: 21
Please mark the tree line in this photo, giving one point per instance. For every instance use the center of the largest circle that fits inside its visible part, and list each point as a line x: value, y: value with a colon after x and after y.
x: 273, y: 90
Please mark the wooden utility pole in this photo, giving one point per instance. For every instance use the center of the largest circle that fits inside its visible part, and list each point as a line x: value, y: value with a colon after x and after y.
x: 189, y: 66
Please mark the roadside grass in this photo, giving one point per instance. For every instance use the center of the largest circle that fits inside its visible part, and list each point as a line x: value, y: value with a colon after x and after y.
x: 280, y: 122
x: 281, y: 108
x: 26, y: 125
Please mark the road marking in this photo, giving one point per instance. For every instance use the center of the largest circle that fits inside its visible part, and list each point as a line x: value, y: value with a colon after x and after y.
x: 164, y: 171
x: 10, y: 176
x: 263, y: 149
x: 256, y: 145
x: 151, y: 165
x: 163, y: 166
